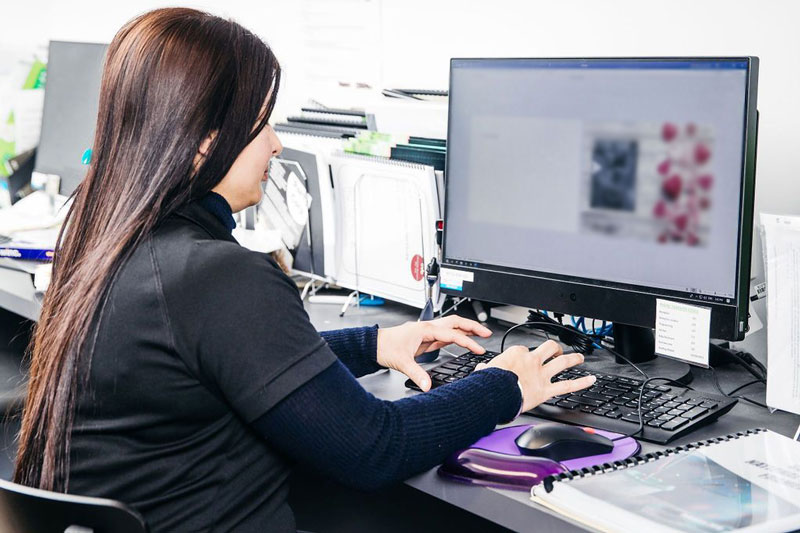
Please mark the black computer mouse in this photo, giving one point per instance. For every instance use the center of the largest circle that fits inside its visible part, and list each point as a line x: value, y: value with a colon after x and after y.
x: 561, y: 442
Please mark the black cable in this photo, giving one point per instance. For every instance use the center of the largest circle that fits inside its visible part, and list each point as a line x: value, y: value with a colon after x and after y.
x: 639, y: 404
x: 740, y: 387
x: 569, y: 335
x: 581, y: 342
x: 748, y: 364
x: 584, y: 343
x: 730, y: 394
x: 749, y: 400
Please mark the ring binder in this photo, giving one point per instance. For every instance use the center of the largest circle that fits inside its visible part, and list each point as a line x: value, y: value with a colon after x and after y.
x: 636, y: 460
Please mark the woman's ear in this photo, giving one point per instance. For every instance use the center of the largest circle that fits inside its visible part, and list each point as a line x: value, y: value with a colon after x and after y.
x: 202, y: 151
x: 206, y: 144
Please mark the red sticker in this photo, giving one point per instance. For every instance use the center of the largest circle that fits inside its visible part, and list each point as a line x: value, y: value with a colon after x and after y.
x: 417, y: 269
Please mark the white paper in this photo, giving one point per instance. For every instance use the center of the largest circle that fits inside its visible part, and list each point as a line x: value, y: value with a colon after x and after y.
x: 781, y: 245
x: 682, y: 331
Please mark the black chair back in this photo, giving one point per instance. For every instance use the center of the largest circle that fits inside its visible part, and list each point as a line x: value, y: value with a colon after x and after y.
x: 27, y: 510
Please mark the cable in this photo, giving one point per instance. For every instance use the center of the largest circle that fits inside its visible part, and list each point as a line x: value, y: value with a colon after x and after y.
x: 579, y: 341
x: 730, y: 394
x: 584, y: 343
x: 740, y: 387
x: 748, y: 400
x: 639, y: 404
x: 458, y: 301
x: 747, y: 360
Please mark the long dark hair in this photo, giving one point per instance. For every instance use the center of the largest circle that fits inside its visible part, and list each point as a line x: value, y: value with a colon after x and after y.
x: 171, y: 78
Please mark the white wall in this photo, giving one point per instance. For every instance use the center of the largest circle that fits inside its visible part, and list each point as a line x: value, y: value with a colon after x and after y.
x: 408, y: 43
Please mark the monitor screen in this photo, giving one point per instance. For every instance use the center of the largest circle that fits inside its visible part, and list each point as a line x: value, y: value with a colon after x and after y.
x: 630, y: 175
x: 623, y: 171
x: 71, y: 97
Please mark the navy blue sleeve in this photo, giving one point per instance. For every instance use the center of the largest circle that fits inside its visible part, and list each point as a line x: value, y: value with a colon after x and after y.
x: 357, y: 348
x: 335, y: 426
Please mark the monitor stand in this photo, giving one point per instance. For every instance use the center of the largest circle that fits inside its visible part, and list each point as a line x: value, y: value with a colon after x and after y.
x: 638, y: 345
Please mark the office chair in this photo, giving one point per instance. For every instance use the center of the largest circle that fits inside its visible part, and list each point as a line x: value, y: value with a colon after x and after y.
x: 28, y: 510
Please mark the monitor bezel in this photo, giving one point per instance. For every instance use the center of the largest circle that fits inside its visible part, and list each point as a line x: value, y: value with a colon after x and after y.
x: 618, y: 302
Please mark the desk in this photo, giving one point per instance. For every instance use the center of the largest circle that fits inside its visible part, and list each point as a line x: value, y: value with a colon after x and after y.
x: 507, y: 508
x: 513, y: 509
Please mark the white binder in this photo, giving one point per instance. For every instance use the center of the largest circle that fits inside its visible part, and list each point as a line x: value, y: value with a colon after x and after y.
x: 386, y: 214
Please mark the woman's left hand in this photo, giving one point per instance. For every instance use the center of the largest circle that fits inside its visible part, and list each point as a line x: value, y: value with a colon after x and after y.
x: 398, y: 346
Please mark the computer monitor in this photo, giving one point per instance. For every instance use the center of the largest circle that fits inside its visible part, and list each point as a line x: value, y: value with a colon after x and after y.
x: 71, y: 97
x: 595, y: 187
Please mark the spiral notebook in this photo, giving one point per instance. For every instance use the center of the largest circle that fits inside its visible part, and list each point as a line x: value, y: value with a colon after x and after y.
x: 747, y: 481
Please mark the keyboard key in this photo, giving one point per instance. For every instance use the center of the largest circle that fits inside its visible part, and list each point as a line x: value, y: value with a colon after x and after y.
x: 691, y: 414
x: 675, y: 412
x: 461, y: 374
x: 595, y: 396
x: 450, y: 379
x: 674, y: 424
x: 552, y: 401
x: 613, y: 414
x: 631, y: 418
x: 709, y: 405
x: 448, y: 371
x: 654, y: 423
x: 566, y: 404
x: 586, y: 401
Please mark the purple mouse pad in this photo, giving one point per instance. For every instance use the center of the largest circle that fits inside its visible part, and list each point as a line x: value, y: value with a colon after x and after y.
x: 496, y: 461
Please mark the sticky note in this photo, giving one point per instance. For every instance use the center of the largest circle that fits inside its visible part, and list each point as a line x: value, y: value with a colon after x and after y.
x: 453, y: 279
x: 682, y: 331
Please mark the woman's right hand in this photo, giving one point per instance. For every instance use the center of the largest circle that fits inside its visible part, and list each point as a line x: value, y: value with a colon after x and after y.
x: 535, y: 372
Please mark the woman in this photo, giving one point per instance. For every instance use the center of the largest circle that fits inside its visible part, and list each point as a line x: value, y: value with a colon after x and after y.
x: 178, y: 372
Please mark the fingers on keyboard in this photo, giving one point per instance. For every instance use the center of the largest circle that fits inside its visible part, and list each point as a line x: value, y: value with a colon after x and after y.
x: 572, y: 385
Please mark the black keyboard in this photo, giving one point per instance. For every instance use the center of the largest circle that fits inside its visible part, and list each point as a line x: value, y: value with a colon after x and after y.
x: 611, y: 403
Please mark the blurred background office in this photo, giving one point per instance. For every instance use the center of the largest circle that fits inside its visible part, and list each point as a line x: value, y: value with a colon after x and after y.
x: 332, y: 49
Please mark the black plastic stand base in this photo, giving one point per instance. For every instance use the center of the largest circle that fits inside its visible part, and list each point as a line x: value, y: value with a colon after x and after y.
x: 636, y: 343
x: 602, y: 362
